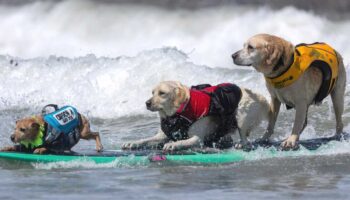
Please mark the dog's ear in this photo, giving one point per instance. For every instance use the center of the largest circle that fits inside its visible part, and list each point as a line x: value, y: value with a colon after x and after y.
x: 288, y: 51
x: 180, y: 95
x: 274, y: 52
x: 35, y: 125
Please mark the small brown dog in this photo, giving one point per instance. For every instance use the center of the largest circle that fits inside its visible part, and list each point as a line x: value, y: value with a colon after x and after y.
x: 297, y: 76
x: 33, y: 134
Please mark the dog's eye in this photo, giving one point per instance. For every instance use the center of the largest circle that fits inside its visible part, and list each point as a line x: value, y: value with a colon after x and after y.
x: 161, y: 93
x: 22, y: 129
x: 250, y: 47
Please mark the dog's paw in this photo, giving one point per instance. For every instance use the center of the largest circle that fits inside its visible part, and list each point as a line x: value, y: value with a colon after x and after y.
x: 130, y: 146
x: 245, y: 146
x: 8, y: 149
x: 99, y: 148
x: 239, y: 146
x: 171, y: 146
x: 40, y: 151
x: 290, y: 142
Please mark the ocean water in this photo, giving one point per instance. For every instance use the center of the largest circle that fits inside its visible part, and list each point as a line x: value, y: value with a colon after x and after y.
x: 105, y: 58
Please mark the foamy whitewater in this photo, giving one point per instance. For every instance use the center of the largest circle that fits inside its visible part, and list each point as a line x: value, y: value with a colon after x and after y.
x: 105, y: 58
x: 100, y: 58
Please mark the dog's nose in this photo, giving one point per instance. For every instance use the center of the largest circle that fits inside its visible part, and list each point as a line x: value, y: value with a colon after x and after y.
x: 148, y: 103
x: 12, y: 138
x: 234, y: 56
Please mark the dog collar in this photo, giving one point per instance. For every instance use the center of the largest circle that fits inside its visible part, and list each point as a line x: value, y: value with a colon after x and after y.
x: 279, y: 64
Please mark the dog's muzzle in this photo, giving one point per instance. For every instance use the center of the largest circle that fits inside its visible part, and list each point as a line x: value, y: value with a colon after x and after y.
x: 149, y: 104
x: 234, y: 56
x: 238, y: 61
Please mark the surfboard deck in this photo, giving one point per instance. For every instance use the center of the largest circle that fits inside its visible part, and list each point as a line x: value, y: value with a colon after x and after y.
x: 144, y: 157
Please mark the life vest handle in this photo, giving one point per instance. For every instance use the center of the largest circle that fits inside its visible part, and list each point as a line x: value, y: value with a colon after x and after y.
x: 43, y: 111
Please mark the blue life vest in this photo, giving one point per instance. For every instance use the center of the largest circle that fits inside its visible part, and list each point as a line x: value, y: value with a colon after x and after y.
x: 64, y: 120
x: 62, y: 128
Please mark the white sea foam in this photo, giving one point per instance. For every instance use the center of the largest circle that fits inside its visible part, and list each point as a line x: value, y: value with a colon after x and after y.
x: 80, y: 27
x: 105, y: 87
x: 88, y: 164
x: 108, y: 84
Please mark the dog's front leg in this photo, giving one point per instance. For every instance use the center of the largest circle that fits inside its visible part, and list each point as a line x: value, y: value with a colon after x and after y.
x: 198, y: 131
x: 191, y: 142
x: 11, y: 148
x: 299, y: 125
x: 99, y: 146
x: 153, y: 141
x: 40, y: 150
x: 87, y: 135
x: 243, y: 143
x: 273, y: 114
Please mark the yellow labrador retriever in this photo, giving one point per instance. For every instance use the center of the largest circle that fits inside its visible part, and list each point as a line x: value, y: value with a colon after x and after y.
x: 297, y: 76
x: 203, y: 116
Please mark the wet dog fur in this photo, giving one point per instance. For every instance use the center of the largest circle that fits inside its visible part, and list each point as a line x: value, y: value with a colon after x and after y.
x: 166, y: 99
x: 27, y: 129
x: 264, y: 52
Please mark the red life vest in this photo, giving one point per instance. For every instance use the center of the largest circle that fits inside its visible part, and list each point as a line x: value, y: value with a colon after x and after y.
x: 196, y: 107
x: 220, y: 100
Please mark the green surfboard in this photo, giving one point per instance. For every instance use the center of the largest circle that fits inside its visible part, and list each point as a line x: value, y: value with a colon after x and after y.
x: 267, y: 150
x: 130, y: 158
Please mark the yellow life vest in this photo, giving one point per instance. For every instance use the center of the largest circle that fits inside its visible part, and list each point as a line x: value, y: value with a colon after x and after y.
x: 320, y: 55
